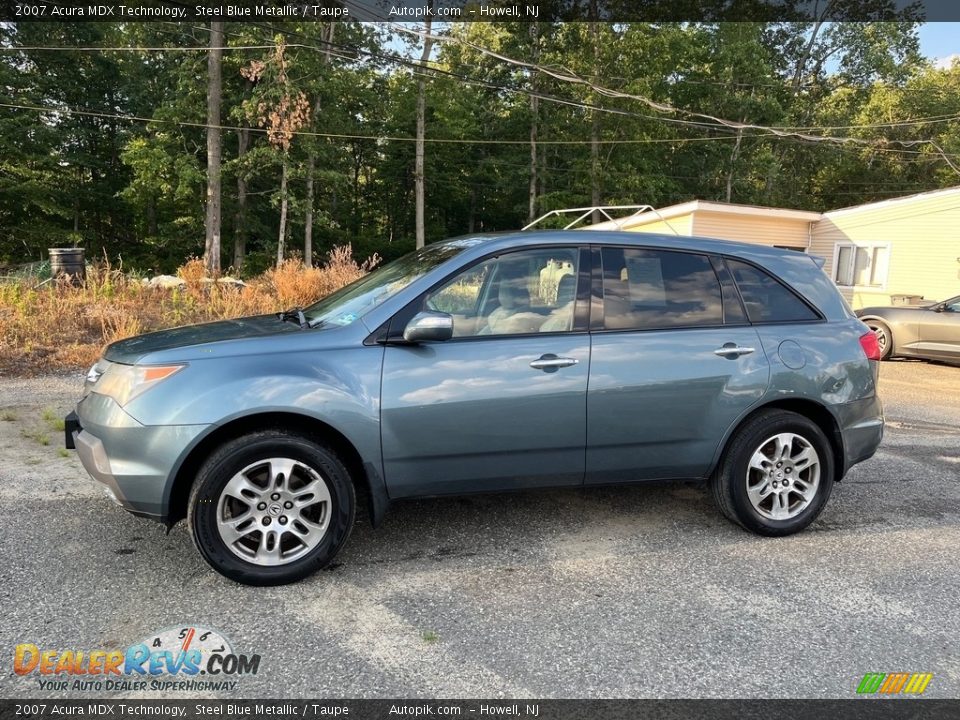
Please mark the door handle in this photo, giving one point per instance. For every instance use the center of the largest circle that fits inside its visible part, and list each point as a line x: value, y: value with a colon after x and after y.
x: 552, y: 363
x: 732, y: 350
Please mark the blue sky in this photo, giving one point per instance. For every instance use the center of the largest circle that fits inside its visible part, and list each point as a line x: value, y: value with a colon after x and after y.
x: 940, y: 40
x: 937, y: 40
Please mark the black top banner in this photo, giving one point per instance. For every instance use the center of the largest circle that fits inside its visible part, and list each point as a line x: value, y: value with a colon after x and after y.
x: 483, y: 10
x: 297, y: 709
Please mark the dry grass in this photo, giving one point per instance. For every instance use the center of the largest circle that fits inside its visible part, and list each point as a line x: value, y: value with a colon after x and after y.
x: 60, y: 326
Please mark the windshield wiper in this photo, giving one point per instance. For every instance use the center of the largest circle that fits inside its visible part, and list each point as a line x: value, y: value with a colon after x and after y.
x: 294, y: 315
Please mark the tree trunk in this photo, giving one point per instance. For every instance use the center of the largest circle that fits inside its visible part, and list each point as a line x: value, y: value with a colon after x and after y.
x: 240, y: 217
x: 311, y: 165
x: 308, y: 213
x: 152, y: 215
x: 281, y: 239
x: 534, y: 119
x: 543, y: 172
x: 472, y: 218
x: 733, y: 162
x: 421, y: 121
x: 214, y: 97
x: 595, y: 121
x: 780, y: 150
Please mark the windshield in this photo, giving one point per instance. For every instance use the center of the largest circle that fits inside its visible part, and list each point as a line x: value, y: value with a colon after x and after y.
x: 354, y: 300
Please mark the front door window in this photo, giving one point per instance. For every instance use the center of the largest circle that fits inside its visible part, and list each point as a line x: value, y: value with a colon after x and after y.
x: 531, y: 291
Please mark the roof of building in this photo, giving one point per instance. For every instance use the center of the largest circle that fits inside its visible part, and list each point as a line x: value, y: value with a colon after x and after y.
x: 928, y: 195
x: 649, y: 216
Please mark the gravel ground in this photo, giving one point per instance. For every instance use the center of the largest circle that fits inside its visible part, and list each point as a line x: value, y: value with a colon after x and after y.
x: 641, y: 591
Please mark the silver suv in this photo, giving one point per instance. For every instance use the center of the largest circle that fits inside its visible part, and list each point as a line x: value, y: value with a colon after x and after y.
x: 490, y: 363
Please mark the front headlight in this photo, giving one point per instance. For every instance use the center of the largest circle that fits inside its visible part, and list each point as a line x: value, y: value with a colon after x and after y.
x: 124, y: 382
x: 94, y: 374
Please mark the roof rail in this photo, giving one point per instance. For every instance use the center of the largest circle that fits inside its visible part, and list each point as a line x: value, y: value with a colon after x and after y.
x: 585, y: 212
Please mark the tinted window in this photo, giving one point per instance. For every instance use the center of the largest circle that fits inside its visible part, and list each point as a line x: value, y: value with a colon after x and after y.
x: 646, y: 289
x: 765, y: 298
x: 523, y: 292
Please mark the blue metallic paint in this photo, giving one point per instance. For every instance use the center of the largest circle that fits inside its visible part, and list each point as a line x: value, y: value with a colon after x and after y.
x: 471, y: 415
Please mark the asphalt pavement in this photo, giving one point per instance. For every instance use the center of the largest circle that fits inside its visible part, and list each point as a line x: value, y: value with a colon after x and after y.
x: 641, y: 591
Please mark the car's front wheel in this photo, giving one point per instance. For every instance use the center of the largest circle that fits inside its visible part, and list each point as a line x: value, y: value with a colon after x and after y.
x: 776, y: 474
x: 271, y: 507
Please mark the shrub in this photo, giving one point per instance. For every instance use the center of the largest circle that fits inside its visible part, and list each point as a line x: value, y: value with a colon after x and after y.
x: 54, y: 325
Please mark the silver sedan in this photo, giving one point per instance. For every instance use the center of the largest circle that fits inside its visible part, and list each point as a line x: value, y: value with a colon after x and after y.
x: 930, y: 331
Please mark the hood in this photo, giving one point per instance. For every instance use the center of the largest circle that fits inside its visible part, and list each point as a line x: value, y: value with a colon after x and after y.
x: 132, y: 349
x: 882, y: 309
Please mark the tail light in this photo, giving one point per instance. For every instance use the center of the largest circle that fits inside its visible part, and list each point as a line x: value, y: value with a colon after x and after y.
x: 871, y: 348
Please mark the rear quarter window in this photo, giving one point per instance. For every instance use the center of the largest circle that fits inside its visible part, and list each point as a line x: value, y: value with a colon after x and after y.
x: 766, y: 299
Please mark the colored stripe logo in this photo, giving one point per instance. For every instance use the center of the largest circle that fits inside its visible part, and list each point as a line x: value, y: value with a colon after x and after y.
x: 894, y: 683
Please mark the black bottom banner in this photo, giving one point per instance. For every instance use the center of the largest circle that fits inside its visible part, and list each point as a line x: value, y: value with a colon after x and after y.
x: 856, y: 709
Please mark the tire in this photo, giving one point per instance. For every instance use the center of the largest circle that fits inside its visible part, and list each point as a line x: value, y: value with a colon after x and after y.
x: 884, y: 337
x: 289, y: 499
x: 739, y: 489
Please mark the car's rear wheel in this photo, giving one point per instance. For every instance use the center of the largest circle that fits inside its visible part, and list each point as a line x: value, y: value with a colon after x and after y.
x: 271, y: 508
x: 884, y: 337
x: 776, y: 474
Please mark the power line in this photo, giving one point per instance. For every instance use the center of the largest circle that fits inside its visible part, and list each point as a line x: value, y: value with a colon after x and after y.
x: 933, y: 119
x: 483, y: 83
x: 725, y: 126
x: 415, y: 68
x: 345, y: 136
x: 570, y: 77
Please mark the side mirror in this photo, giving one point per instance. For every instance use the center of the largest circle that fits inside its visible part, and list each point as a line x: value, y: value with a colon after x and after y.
x: 940, y: 307
x: 429, y: 327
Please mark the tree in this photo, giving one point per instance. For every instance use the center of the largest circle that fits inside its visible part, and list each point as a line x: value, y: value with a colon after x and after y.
x: 534, y: 119
x: 312, y: 159
x: 421, y: 129
x: 118, y: 157
x: 214, y: 98
x: 283, y: 110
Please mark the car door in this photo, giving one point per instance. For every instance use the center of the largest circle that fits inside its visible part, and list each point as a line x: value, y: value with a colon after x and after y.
x: 502, y: 404
x: 674, y: 363
x: 939, y: 332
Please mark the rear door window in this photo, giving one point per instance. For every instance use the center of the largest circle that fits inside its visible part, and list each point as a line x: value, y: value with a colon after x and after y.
x: 647, y: 289
x: 766, y: 299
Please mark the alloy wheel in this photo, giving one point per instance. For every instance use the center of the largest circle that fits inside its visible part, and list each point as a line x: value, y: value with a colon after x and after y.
x: 783, y: 476
x: 274, y: 511
x: 882, y: 337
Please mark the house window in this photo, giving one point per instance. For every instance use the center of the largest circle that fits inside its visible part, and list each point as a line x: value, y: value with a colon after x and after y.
x: 861, y: 265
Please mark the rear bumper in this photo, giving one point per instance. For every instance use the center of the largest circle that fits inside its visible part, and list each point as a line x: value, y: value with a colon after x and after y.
x: 134, y: 463
x: 861, y: 429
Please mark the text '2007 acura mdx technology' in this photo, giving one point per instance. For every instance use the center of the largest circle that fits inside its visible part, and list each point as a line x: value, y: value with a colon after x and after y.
x: 493, y: 363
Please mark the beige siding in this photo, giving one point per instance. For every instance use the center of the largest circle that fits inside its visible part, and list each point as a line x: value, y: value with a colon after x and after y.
x: 923, y: 234
x: 752, y: 229
x: 677, y: 226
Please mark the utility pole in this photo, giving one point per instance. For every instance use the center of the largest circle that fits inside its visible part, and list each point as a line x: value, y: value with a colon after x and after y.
x: 421, y: 122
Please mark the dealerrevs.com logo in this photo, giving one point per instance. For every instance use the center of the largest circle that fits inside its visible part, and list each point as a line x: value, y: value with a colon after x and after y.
x: 185, y: 658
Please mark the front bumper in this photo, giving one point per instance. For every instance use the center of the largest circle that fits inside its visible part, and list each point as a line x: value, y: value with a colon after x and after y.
x: 135, y: 463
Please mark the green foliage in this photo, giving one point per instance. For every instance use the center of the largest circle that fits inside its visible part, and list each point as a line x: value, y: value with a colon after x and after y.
x: 135, y: 188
